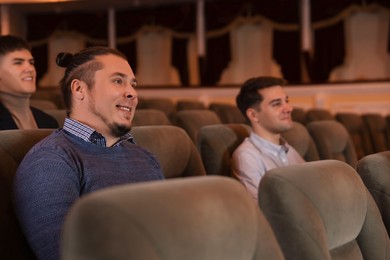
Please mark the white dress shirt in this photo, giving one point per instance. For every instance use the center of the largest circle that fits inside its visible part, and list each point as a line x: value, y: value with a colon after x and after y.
x: 255, y: 156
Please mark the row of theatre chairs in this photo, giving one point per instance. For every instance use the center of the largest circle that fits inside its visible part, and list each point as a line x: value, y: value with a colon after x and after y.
x: 370, y: 132
x: 324, y: 209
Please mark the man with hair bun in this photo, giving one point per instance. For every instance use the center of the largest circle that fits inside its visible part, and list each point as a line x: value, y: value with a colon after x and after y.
x: 17, y: 83
x: 92, y: 151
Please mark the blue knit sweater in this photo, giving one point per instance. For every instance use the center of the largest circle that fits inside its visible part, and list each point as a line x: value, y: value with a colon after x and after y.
x: 60, y: 169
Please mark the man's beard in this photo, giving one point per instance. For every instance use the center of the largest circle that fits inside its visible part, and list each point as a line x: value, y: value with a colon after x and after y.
x: 119, y: 130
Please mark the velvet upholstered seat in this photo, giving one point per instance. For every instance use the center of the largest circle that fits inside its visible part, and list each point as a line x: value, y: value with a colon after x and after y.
x: 374, y: 169
x: 332, y: 141
x: 358, y: 131
x: 193, y: 120
x: 163, y: 104
x: 189, y: 105
x: 228, y: 113
x: 216, y: 144
x: 14, y: 144
x: 145, y: 117
x: 378, y: 130
x: 322, y: 210
x: 171, y: 145
x: 173, y: 148
x: 299, y: 138
x: 318, y: 114
x: 210, y: 217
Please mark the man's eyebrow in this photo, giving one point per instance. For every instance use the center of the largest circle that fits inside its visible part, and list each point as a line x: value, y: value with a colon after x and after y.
x: 122, y: 75
x: 19, y: 59
x: 275, y: 100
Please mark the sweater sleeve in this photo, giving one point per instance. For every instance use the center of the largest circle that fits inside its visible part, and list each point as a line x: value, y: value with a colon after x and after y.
x: 45, y: 187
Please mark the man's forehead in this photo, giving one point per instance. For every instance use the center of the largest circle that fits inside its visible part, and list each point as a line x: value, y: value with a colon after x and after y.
x: 271, y: 91
x: 18, y: 54
x: 115, y: 64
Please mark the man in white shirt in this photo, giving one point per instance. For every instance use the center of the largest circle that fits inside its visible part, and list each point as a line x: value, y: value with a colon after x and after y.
x: 264, y: 103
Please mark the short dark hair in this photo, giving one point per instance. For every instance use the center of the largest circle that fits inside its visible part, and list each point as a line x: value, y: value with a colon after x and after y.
x: 249, y: 95
x: 82, y: 66
x: 10, y: 43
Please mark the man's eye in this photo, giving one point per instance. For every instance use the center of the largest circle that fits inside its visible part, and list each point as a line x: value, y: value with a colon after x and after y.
x: 118, y: 81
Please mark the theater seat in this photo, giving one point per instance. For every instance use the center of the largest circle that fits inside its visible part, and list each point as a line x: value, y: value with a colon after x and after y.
x: 358, y: 131
x: 193, y: 120
x: 171, y: 145
x: 374, y: 169
x: 377, y: 128
x: 332, y: 141
x: 195, y: 218
x: 14, y: 144
x: 145, y: 117
x: 216, y: 144
x: 173, y: 148
x: 299, y: 138
x: 164, y: 104
x: 322, y: 210
x: 189, y: 105
x: 318, y: 114
x: 228, y: 113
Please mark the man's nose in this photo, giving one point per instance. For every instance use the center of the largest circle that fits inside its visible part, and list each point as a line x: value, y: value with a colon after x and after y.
x: 29, y: 67
x: 131, y: 96
x: 288, y: 107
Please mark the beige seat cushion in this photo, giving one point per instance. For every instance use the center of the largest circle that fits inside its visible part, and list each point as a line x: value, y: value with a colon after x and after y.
x: 322, y: 210
x: 209, y: 217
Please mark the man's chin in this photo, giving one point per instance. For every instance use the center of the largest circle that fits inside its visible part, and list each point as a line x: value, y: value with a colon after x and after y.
x: 286, y: 127
x: 120, y: 130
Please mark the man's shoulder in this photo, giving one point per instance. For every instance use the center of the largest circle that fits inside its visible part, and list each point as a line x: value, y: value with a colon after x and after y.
x: 246, y: 147
x: 55, y: 141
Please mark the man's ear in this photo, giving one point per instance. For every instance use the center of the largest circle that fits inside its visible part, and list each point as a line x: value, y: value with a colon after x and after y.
x: 78, y: 89
x: 251, y: 114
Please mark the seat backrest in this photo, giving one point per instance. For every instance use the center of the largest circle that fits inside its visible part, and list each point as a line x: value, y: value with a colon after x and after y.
x: 322, y: 210
x: 210, y: 217
x: 172, y: 147
x: 374, y: 169
x: 299, y: 138
x: 299, y: 115
x: 193, y: 120
x: 228, y: 113
x: 216, y: 144
x: 164, y: 104
x: 144, y: 117
x: 317, y: 114
x: 377, y: 128
x: 358, y: 132
x: 332, y: 141
x: 51, y: 94
x: 58, y: 114
x: 14, y: 144
x: 189, y: 104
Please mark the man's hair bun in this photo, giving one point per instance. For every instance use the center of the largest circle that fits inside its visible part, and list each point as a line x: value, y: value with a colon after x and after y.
x: 64, y: 59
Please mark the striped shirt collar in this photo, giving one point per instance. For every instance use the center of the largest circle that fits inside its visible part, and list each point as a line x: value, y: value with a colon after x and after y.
x: 90, y: 135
